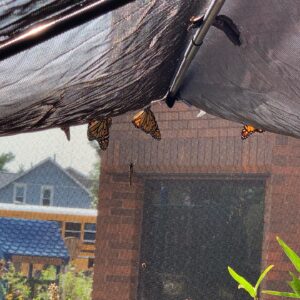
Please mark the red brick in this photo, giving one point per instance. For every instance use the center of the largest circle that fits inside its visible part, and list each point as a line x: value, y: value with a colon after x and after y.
x: 281, y: 140
x: 189, y: 145
x: 123, y: 212
x: 196, y: 124
x: 123, y: 245
x: 188, y: 115
x: 274, y: 256
x: 120, y: 278
x: 128, y: 254
x: 279, y: 160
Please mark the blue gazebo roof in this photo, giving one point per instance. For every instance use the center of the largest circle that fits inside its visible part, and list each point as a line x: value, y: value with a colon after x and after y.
x: 21, y: 237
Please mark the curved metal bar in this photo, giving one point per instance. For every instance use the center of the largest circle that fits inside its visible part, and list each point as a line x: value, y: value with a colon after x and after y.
x: 51, y: 28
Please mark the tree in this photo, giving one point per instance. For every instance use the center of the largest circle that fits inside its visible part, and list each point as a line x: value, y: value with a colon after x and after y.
x: 5, y: 158
x: 94, y: 176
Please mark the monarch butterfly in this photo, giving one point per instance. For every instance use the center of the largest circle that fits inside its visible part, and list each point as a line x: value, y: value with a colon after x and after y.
x: 99, y: 131
x: 248, y: 130
x: 145, y: 120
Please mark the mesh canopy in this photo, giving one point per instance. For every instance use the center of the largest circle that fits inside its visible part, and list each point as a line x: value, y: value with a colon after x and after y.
x: 110, y: 65
x: 257, y: 83
x: 127, y: 58
x: 17, y: 16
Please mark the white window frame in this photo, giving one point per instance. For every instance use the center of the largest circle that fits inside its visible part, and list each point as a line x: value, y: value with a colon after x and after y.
x: 47, y: 187
x: 16, y: 185
x: 89, y: 231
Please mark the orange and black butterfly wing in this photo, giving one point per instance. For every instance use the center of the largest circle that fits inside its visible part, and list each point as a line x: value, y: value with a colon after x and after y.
x: 103, y: 143
x: 248, y: 130
x: 154, y: 130
x: 99, y: 131
x: 245, y: 134
x: 91, y: 130
x: 146, y: 121
x: 139, y: 119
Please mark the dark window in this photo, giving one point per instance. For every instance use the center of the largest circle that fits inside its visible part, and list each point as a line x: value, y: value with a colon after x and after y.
x: 193, y: 230
x: 91, y: 262
x: 89, y: 233
x: 19, y: 193
x: 73, y: 229
x: 47, y: 194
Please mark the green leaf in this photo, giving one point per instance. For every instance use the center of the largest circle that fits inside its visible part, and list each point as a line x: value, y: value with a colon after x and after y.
x: 290, y: 253
x: 262, y: 276
x: 283, y: 294
x: 243, y: 283
x: 295, y: 283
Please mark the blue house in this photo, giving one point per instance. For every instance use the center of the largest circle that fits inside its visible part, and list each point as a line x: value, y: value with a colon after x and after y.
x: 47, y: 184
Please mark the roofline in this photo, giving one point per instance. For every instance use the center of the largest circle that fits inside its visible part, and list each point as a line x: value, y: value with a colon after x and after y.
x: 70, y: 176
x: 26, y: 172
x: 49, y: 209
x: 57, y: 165
x: 75, y: 170
x: 7, y: 172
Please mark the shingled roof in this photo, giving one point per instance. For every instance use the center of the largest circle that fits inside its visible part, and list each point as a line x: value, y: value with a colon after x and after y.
x: 6, y: 177
x: 84, y: 180
x: 20, y: 237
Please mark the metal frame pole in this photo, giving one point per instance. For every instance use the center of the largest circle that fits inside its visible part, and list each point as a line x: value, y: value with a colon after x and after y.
x: 194, y: 45
x: 55, y: 26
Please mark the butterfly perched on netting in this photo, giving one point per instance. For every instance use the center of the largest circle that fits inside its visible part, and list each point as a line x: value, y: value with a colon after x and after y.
x: 99, y: 130
x: 248, y: 130
x: 145, y: 120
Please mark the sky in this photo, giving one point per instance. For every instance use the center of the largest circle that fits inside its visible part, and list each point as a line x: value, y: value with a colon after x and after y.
x: 31, y: 148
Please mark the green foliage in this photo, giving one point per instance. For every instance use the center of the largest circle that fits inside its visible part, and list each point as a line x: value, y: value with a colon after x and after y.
x: 262, y: 276
x: 49, y: 273
x: 246, y: 285
x: 290, y: 253
x: 294, y: 284
x: 41, y: 290
x: 75, y: 285
x: 72, y: 285
x: 5, y: 158
x: 282, y: 294
x: 17, y: 285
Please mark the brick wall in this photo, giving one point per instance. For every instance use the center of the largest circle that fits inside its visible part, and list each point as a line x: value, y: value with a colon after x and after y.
x: 205, y: 146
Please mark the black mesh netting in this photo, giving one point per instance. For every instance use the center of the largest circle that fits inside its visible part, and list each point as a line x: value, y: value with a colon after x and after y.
x: 127, y: 58
x: 110, y: 65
